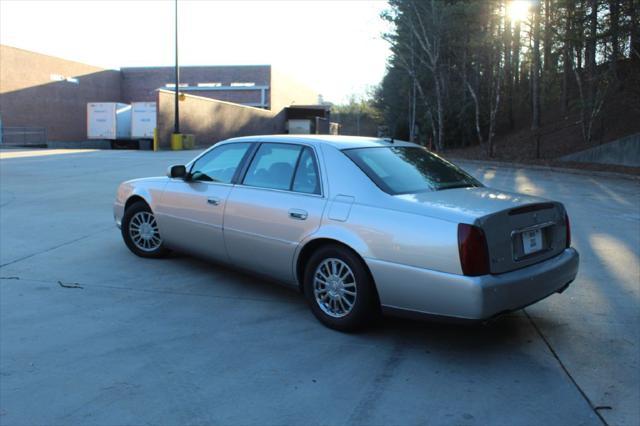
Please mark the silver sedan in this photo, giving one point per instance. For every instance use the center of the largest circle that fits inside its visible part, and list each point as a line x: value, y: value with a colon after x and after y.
x: 361, y: 226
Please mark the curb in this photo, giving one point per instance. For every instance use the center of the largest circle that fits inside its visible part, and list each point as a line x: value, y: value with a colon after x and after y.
x: 548, y: 168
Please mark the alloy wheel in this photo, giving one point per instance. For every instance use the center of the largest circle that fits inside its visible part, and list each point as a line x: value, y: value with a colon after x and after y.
x: 334, y: 287
x: 143, y: 231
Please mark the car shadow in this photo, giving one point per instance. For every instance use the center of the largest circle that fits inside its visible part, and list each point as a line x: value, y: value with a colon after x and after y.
x: 438, y: 334
x: 247, y: 280
x: 497, y: 331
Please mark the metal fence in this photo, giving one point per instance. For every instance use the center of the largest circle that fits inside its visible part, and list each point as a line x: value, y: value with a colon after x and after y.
x: 24, y: 136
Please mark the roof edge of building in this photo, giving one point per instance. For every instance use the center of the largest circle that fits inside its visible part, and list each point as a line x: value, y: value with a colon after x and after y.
x: 154, y: 67
x: 59, y: 58
x: 214, y: 100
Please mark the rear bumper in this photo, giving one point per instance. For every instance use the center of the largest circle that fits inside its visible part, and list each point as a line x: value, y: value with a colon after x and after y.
x: 405, y: 289
x: 518, y: 289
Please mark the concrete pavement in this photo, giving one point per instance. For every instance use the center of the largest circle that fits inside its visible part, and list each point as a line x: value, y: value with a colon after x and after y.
x: 91, y: 334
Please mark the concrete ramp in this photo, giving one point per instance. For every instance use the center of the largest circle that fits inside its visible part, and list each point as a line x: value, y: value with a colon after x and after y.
x: 623, y: 152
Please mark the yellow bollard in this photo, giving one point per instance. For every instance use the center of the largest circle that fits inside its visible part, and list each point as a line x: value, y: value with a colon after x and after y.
x: 176, y: 141
x: 155, y: 139
x: 189, y: 141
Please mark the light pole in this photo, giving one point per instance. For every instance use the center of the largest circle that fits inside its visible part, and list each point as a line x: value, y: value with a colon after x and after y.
x: 176, y: 127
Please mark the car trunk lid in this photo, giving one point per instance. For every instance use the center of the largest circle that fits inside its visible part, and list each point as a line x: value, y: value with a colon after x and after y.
x: 520, y: 229
x: 524, y: 235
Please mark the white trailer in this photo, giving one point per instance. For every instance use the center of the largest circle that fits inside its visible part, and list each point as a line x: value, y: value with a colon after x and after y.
x: 108, y: 120
x: 143, y: 120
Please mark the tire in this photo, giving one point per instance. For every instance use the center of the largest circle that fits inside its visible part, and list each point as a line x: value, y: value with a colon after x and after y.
x: 329, y: 297
x: 140, y: 232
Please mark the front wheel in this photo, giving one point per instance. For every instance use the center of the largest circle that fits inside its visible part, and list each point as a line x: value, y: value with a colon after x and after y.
x: 140, y: 231
x: 339, y: 289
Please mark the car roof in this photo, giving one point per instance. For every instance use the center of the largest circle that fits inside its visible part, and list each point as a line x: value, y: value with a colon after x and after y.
x: 337, y: 141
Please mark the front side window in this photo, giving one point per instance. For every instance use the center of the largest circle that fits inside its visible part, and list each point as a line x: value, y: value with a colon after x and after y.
x: 219, y: 164
x: 273, y: 166
x: 406, y: 170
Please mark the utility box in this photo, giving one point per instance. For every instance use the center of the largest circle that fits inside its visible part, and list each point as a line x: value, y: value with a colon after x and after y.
x: 108, y: 120
x: 143, y: 120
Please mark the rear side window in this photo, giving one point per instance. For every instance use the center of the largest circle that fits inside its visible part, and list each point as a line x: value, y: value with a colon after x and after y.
x: 306, y: 179
x: 273, y: 166
x: 219, y: 164
x: 406, y: 170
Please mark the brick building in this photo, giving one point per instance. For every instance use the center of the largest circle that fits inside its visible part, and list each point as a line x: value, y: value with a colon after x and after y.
x: 41, y: 93
x: 247, y: 85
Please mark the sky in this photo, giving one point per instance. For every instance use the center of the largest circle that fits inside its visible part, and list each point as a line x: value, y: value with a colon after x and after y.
x: 335, y: 47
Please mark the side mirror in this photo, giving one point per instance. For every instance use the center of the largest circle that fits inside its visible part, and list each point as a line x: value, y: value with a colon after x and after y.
x: 177, y: 172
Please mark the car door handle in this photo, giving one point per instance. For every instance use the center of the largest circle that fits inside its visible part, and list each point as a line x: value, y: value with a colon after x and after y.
x: 298, y: 214
x: 213, y: 200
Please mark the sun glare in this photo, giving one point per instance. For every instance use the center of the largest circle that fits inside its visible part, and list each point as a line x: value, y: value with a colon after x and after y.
x: 518, y: 10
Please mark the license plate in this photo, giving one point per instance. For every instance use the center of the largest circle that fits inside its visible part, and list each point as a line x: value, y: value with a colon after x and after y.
x: 532, y: 241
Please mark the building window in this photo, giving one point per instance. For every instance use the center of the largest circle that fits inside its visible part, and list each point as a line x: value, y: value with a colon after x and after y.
x: 209, y: 84
x: 172, y: 85
x: 59, y: 77
x: 243, y: 84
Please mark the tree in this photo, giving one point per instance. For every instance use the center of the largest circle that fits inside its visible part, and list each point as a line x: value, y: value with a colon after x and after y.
x: 535, y: 70
x: 463, y: 71
x: 614, y: 25
x: 422, y: 22
x: 508, y: 77
x: 567, y: 68
x: 634, y: 31
x: 358, y: 117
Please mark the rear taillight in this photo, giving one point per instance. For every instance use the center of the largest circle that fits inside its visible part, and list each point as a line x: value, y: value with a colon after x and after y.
x: 472, y: 246
x: 567, y: 230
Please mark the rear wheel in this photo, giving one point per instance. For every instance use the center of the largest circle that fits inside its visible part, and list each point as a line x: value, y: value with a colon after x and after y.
x: 140, y: 231
x: 339, y: 289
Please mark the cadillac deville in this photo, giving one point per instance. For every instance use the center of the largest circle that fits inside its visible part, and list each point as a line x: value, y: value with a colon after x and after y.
x: 361, y: 226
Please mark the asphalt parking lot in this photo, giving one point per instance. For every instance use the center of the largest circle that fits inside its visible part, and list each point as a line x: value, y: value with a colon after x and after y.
x: 91, y: 334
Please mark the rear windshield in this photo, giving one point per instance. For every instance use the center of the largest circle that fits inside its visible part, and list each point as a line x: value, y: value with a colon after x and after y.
x: 406, y: 169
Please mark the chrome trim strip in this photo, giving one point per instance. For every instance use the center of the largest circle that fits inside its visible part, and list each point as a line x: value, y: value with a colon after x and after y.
x: 264, y: 237
x: 198, y: 222
x: 286, y: 191
x: 201, y: 181
x: 532, y: 228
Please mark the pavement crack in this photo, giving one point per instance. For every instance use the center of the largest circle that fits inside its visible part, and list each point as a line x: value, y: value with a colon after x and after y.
x: 594, y: 408
x: 69, y: 285
x: 186, y: 293
x: 154, y: 291
x: 364, y: 410
x: 55, y: 247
